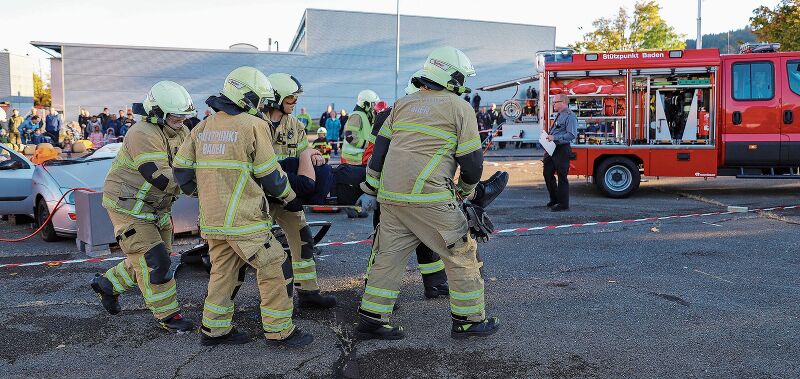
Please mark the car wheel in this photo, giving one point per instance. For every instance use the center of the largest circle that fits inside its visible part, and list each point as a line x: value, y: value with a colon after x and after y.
x: 48, y: 233
x: 618, y: 177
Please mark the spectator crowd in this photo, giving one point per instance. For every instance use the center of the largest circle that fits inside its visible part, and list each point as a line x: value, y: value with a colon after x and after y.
x: 48, y: 126
x: 488, y: 119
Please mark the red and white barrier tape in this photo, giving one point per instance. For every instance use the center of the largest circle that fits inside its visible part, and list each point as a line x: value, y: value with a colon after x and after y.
x: 496, y: 164
x: 599, y: 223
x: 362, y: 242
x: 59, y: 263
x: 501, y: 231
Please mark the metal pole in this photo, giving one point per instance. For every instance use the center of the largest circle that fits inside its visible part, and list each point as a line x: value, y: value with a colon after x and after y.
x: 728, y: 45
x: 699, y: 43
x: 397, y: 52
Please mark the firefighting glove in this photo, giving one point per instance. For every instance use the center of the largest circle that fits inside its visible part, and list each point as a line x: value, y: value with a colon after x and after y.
x: 368, y: 203
x: 478, y: 221
x: 294, y: 206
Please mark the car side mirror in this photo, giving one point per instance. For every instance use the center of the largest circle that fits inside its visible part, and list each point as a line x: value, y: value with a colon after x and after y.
x: 10, y: 165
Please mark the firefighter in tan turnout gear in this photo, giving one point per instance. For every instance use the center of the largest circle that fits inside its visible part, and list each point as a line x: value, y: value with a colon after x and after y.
x: 138, y: 194
x: 289, y: 141
x: 428, y: 135
x: 228, y: 162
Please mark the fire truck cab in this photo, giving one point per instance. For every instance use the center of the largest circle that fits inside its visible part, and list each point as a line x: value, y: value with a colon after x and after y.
x: 682, y: 113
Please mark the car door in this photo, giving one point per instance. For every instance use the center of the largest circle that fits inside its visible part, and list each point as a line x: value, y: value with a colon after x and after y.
x: 16, y: 196
x: 790, y: 110
x: 752, y: 111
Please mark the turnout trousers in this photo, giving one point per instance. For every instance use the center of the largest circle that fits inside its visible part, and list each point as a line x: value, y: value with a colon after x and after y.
x: 229, y: 261
x: 147, y: 246
x: 443, y: 228
x: 557, y: 165
x: 301, y: 246
x: 430, y: 264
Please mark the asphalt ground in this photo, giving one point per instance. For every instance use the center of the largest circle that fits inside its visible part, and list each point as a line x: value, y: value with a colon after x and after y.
x: 710, y: 297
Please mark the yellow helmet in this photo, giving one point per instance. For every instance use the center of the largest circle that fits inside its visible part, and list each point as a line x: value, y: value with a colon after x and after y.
x: 448, y: 67
x: 249, y: 88
x: 284, y: 85
x: 412, y: 86
x: 164, y: 98
x: 367, y: 98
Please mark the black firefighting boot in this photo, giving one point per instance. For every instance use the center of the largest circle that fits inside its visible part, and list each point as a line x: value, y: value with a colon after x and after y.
x: 485, y: 328
x: 314, y: 299
x: 489, y: 189
x: 435, y: 284
x: 177, y: 324
x: 298, y: 338
x: 105, y: 291
x: 369, y: 329
x: 234, y: 337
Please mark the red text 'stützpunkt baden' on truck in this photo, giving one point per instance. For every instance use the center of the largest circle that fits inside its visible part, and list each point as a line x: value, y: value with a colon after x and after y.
x: 681, y: 113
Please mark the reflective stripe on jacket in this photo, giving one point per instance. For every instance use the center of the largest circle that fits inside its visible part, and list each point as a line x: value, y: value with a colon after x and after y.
x: 428, y: 130
x: 126, y: 190
x: 229, y: 155
x: 289, y: 138
x: 361, y: 129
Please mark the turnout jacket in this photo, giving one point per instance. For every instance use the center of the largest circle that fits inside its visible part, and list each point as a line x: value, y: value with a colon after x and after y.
x: 289, y: 137
x: 228, y: 161
x: 140, y: 182
x: 427, y: 135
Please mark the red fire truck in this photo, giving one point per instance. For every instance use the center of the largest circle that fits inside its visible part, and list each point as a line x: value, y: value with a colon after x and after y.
x: 681, y: 113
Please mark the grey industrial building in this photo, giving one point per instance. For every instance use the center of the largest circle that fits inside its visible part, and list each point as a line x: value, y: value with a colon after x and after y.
x: 16, y: 81
x: 335, y: 54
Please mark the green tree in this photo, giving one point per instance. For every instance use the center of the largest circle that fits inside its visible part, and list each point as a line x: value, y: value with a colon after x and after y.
x: 726, y: 42
x: 645, y: 30
x: 781, y: 24
x: 650, y: 32
x: 608, y: 34
x: 41, y: 92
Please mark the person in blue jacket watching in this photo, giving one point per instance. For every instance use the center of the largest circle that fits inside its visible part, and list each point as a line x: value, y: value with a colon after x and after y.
x: 28, y: 127
x: 52, y: 125
x: 333, y: 126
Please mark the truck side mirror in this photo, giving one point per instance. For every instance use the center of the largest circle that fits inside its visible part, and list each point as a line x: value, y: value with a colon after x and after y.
x: 10, y: 165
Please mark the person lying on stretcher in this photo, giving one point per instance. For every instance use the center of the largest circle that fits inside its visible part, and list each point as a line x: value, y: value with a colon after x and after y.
x: 339, y: 186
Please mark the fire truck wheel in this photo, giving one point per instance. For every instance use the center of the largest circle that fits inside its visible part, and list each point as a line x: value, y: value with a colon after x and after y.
x: 617, y: 177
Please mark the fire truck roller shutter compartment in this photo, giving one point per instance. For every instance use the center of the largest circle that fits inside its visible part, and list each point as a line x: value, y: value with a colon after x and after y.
x: 599, y: 100
x: 681, y: 105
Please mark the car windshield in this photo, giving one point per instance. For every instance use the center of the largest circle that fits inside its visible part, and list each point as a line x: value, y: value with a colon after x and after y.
x: 106, y: 152
x: 62, y: 162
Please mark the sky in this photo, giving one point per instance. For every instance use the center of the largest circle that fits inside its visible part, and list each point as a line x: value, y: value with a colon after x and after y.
x: 217, y: 24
